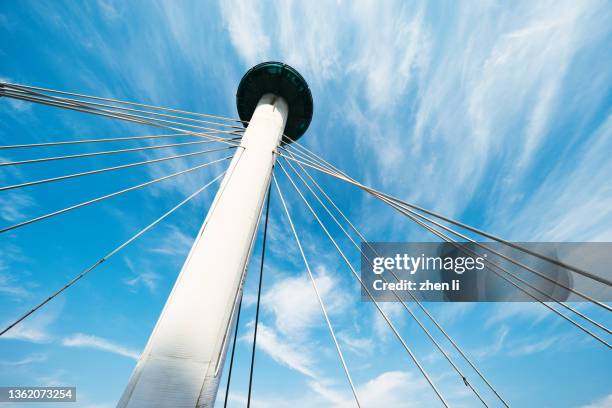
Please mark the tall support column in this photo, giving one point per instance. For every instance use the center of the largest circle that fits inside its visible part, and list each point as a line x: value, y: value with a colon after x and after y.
x: 181, y: 364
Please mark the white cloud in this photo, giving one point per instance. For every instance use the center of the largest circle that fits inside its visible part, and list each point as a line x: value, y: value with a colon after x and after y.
x: 296, y: 309
x: 291, y: 355
x: 535, y: 347
x: 109, y: 10
x: 333, y: 397
x: 28, y: 332
x: 173, y: 242
x: 99, y: 343
x: 504, y: 312
x: 355, y: 344
x: 389, y: 389
x: 143, y: 276
x: 35, y: 328
x: 526, y: 343
x: 452, y: 312
x: 314, y: 38
x: 482, y: 107
x: 527, y: 67
x: 496, y: 346
x: 396, y: 314
x: 247, y: 29
x: 14, y: 206
x: 392, y: 44
x: 9, y: 286
x: 20, y: 106
x: 296, y: 312
x: 281, y: 243
x: 605, y: 402
x: 56, y: 378
x: 32, y: 358
x: 148, y: 279
x: 570, y: 205
x: 398, y: 389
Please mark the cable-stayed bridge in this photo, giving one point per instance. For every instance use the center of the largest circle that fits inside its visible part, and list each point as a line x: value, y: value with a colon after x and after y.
x: 183, y: 362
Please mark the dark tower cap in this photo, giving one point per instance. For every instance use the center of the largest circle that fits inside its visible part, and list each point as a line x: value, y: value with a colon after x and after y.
x: 282, y: 80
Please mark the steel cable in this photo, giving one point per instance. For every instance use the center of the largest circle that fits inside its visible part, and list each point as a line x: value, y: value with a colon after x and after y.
x: 113, y: 168
x: 314, y: 284
x: 95, y: 200
x: 117, y: 101
x: 382, y: 313
x: 107, y: 256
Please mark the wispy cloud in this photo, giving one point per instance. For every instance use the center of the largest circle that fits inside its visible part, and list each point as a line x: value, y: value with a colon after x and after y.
x: 36, y: 328
x: 396, y: 389
x: 148, y: 279
x: 399, y: 389
x: 294, y: 305
x: 496, y: 345
x: 396, y: 314
x: 29, y: 359
x: 605, y: 402
x: 450, y: 313
x: 14, y: 206
x: 55, y: 378
x: 356, y: 344
x: 535, y: 347
x: 142, y: 276
x: 173, y: 242
x: 286, y: 353
x: 246, y: 28
x: 99, y: 343
x: 20, y: 106
x: 10, y: 286
x: 109, y: 9
x: 28, y: 331
x: 296, y: 312
x: 525, y: 343
x: 570, y: 205
x: 504, y: 312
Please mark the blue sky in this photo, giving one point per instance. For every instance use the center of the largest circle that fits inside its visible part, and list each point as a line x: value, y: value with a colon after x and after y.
x: 498, y: 115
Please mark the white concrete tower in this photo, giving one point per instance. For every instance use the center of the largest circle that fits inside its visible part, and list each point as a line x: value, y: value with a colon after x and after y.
x: 182, y: 362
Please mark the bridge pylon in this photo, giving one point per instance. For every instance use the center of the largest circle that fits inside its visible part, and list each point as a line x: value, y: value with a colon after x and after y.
x: 182, y: 362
